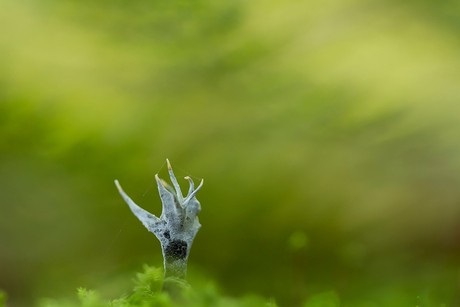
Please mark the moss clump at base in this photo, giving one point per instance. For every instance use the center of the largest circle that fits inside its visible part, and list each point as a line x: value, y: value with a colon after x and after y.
x: 147, y: 293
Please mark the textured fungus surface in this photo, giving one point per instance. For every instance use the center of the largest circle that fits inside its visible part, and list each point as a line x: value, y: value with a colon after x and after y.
x: 176, y: 250
x: 178, y: 224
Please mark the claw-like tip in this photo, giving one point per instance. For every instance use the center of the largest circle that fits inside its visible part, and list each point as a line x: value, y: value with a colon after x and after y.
x: 118, y: 185
x: 187, y: 177
x: 164, y: 183
x: 169, y: 164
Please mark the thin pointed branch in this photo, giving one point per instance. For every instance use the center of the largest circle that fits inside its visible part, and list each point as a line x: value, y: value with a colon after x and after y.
x: 171, y: 206
x: 144, y: 216
x: 192, y: 185
x: 174, y: 182
x: 191, y: 195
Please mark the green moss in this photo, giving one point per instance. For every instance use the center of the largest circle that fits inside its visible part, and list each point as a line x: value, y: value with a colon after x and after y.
x: 147, y: 292
x: 325, y: 299
x: 3, y: 297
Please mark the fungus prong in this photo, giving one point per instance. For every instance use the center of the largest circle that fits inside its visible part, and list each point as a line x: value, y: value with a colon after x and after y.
x: 174, y: 181
x: 191, y: 195
x: 192, y: 185
x: 145, y: 217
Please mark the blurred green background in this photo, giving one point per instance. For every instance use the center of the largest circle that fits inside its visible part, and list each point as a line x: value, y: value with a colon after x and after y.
x: 327, y: 132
